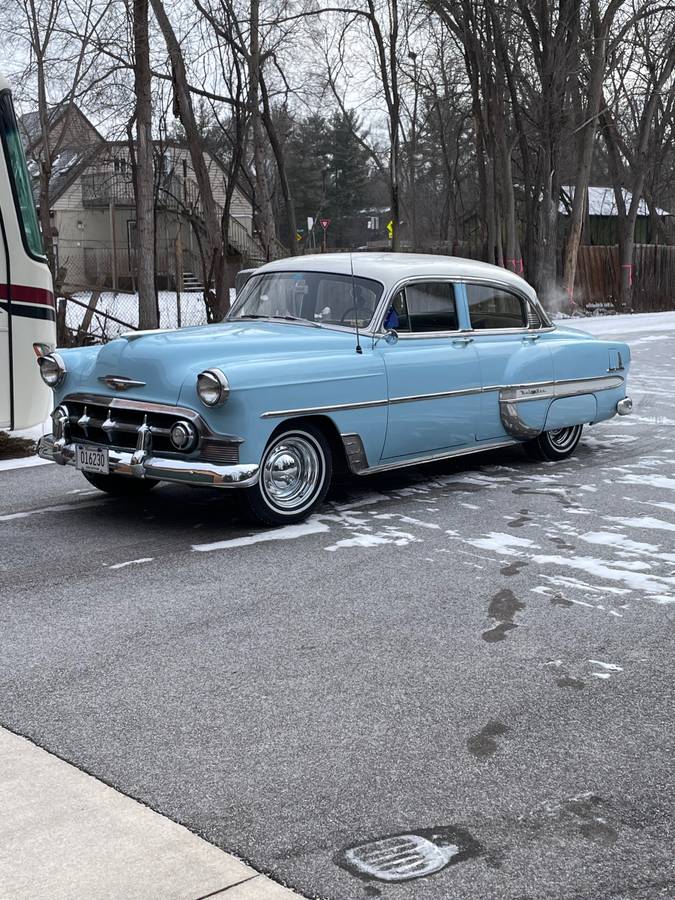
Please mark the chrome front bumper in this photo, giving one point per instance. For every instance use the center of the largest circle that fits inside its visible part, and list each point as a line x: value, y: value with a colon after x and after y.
x: 141, y: 464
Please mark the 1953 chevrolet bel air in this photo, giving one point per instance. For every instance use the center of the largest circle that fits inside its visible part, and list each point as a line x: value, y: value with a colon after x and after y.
x: 373, y: 361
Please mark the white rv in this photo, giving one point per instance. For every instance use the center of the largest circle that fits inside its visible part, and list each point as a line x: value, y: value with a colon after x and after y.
x: 27, y: 315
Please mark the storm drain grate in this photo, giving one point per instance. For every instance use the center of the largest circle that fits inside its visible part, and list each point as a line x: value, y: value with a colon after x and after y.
x: 400, y: 858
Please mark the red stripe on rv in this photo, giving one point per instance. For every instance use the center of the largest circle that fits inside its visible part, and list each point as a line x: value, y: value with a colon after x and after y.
x: 25, y: 294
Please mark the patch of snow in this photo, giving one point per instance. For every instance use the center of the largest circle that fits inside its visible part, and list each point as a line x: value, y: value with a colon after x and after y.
x: 285, y: 533
x: 642, y: 522
x: 501, y: 543
x: 23, y: 462
x: 132, y: 562
x: 611, y: 667
x: 62, y: 507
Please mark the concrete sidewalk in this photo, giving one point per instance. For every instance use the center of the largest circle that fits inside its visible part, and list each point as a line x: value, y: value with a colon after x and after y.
x: 66, y: 836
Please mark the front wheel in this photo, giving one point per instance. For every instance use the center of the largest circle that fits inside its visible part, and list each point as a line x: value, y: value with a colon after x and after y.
x: 295, y: 474
x: 121, y: 485
x: 554, y: 445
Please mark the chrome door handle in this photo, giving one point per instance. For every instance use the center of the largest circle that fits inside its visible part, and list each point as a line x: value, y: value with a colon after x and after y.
x: 531, y: 337
x: 462, y: 342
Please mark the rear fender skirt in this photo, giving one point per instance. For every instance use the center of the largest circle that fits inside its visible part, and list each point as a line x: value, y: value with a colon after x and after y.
x: 513, y: 402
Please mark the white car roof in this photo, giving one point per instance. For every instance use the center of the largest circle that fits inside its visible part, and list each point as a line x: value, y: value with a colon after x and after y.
x: 390, y: 268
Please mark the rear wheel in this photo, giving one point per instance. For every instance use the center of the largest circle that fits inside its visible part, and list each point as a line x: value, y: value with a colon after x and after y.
x: 554, y: 445
x: 295, y: 475
x: 121, y: 485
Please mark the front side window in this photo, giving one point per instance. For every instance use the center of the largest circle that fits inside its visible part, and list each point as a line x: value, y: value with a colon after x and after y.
x: 423, y: 307
x: 19, y: 177
x: 322, y: 297
x: 492, y: 307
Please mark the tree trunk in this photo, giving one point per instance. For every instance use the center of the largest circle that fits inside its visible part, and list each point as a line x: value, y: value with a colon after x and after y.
x: 148, y: 314
x: 278, y: 151
x: 266, y: 218
x: 183, y: 101
x: 45, y: 166
x: 598, y: 63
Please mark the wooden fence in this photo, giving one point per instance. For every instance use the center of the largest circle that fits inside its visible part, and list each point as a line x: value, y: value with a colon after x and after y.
x: 599, y: 272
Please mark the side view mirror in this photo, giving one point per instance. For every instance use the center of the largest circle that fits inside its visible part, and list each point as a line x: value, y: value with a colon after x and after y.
x: 391, y: 336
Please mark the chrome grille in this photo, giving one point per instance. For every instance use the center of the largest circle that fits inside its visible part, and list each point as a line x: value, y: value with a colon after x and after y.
x: 114, y: 422
x: 220, y: 453
x: 100, y: 423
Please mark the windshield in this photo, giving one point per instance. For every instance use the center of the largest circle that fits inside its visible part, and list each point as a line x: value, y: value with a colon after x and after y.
x: 18, y: 173
x: 318, y: 297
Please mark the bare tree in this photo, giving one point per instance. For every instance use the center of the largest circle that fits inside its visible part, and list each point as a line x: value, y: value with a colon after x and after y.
x: 215, y: 252
x: 148, y: 312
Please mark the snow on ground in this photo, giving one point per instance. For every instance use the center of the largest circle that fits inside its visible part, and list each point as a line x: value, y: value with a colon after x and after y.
x: 628, y: 324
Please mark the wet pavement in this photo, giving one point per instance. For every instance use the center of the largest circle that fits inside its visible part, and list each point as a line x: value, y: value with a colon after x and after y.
x: 468, y: 665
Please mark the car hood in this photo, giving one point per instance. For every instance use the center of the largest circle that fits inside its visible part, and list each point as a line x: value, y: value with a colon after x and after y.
x: 163, y: 360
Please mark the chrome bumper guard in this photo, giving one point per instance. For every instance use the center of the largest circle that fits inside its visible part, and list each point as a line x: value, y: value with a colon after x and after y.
x: 141, y: 464
x: 624, y: 407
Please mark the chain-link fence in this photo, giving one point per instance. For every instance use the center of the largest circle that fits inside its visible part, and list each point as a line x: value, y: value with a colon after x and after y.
x: 92, y: 317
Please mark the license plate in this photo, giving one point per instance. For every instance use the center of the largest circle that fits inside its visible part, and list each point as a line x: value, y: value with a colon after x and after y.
x: 92, y: 459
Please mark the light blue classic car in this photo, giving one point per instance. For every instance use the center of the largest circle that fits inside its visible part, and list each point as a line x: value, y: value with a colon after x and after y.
x: 369, y: 362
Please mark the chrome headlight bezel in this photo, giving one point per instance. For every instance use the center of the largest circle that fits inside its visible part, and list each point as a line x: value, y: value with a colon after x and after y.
x: 52, y: 369
x: 213, y: 388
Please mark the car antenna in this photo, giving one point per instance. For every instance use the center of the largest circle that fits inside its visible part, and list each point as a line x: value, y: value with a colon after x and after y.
x: 355, y: 304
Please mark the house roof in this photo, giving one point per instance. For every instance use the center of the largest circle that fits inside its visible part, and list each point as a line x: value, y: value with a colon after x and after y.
x: 602, y: 202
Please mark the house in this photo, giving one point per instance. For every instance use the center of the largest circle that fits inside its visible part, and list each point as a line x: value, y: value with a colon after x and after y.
x: 93, y: 207
x: 602, y: 215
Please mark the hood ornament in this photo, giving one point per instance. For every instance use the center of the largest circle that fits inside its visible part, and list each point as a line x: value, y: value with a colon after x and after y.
x: 120, y: 382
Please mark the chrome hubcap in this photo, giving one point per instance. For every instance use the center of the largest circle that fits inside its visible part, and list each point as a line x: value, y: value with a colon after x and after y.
x: 292, y: 472
x: 564, y: 438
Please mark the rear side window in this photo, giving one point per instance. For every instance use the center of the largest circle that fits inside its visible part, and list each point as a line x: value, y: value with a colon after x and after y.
x: 19, y: 177
x: 424, y: 307
x: 491, y: 307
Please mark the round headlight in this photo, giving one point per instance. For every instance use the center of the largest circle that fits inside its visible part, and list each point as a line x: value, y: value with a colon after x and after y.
x: 213, y: 387
x: 52, y: 369
x: 183, y: 435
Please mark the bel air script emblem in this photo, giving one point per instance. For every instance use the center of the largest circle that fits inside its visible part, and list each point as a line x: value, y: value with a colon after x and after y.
x: 120, y: 382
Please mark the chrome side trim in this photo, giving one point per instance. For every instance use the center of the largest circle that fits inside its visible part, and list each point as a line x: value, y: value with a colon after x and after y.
x: 509, y: 398
x: 317, y: 410
x: 140, y: 464
x: 418, y: 460
x: 545, y: 390
x: 535, y: 390
x: 463, y: 392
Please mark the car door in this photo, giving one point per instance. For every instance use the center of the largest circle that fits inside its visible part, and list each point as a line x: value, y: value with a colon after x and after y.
x: 507, y: 340
x: 432, y: 370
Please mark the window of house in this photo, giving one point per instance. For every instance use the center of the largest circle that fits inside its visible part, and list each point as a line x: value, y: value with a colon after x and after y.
x: 494, y: 308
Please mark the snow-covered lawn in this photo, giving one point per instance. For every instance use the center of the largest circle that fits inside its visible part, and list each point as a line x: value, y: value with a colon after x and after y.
x: 623, y: 324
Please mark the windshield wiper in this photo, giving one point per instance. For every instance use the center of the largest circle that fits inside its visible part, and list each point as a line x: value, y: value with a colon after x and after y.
x: 285, y: 318
x: 297, y: 319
